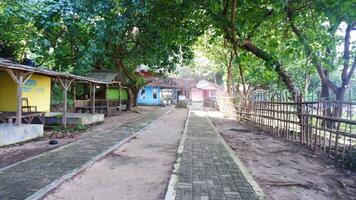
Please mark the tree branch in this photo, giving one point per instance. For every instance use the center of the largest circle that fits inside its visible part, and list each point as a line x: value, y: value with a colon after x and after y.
x: 269, y: 13
x: 310, y: 53
x: 344, y: 74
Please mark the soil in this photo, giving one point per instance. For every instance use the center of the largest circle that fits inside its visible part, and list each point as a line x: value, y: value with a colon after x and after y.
x: 283, y: 169
x: 138, y: 170
x: 17, y: 152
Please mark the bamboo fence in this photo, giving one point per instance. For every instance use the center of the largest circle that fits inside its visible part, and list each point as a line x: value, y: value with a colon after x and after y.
x: 306, y: 122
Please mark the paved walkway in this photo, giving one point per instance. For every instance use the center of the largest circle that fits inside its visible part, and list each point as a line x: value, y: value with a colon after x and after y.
x: 207, y: 170
x: 25, y: 178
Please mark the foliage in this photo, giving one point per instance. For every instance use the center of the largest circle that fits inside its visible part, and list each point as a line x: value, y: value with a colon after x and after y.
x: 79, y: 36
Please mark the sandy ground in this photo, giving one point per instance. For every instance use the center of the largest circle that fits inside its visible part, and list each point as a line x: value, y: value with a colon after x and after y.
x: 14, y: 153
x: 283, y: 169
x: 139, y: 170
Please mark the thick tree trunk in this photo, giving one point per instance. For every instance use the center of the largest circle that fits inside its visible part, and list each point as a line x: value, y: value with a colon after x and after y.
x: 132, y: 97
x: 339, y: 98
x: 325, y: 96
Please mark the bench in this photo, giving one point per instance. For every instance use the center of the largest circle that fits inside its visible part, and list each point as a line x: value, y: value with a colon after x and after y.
x: 27, y: 117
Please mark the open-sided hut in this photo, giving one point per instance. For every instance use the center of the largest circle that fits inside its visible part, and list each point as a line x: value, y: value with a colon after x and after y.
x: 109, y: 98
x: 25, y: 94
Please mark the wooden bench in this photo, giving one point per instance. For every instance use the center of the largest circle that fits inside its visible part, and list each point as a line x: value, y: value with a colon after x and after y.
x: 100, y: 106
x: 26, y: 107
x: 27, y: 117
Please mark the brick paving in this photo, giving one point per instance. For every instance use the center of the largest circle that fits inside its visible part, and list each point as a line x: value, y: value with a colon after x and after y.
x: 207, y: 171
x: 23, y: 179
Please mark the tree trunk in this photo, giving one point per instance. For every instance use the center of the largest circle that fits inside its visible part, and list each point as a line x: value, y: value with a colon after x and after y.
x: 132, y: 97
x: 134, y: 94
x: 306, y: 85
x: 229, y: 75
x: 339, y: 98
x: 325, y: 95
x: 283, y: 74
x: 129, y: 94
x: 241, y: 73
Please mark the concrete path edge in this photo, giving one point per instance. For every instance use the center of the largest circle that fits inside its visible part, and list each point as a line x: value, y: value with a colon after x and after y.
x: 40, y: 194
x: 171, y: 192
x: 257, y: 189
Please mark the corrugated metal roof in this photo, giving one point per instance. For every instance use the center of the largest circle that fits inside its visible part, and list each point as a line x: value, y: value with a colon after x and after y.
x: 109, y: 76
x: 9, y: 64
x: 162, y: 82
x: 103, y: 76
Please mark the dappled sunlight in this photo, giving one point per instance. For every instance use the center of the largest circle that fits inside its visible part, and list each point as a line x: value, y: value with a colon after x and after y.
x: 218, y: 115
x: 199, y: 113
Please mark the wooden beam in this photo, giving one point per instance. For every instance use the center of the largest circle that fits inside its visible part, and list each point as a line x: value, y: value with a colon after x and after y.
x: 74, y: 95
x: 20, y: 79
x: 107, y: 100
x: 19, y: 100
x: 66, y: 85
x: 93, y: 99
x: 27, y: 77
x: 13, y: 76
x: 119, y: 98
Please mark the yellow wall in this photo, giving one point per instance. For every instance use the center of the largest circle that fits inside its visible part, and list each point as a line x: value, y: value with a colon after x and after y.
x: 37, y: 89
x: 7, y: 92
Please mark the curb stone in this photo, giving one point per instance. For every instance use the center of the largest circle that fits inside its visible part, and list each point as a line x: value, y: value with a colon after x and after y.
x: 171, y: 192
x: 40, y: 194
x: 257, y: 189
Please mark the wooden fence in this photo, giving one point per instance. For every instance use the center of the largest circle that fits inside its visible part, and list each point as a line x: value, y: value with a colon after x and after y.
x: 308, y: 123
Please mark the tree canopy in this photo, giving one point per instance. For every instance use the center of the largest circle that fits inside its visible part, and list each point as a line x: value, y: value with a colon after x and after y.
x: 285, y: 45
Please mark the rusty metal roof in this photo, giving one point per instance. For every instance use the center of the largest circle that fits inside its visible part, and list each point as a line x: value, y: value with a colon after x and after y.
x: 162, y: 82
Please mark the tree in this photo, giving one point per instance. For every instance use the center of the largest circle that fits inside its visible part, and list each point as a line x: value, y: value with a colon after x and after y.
x: 321, y: 41
x: 77, y: 36
x: 243, y: 25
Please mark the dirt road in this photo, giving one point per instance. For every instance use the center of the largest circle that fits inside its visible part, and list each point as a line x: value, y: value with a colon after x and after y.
x: 283, y: 169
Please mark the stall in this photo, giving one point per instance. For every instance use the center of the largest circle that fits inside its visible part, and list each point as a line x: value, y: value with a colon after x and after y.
x: 25, y: 96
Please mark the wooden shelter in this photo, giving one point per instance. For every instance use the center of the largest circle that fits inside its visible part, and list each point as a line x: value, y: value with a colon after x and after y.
x: 21, y: 74
x: 103, y: 99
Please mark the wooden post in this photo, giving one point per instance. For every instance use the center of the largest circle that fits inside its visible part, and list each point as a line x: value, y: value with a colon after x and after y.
x: 74, y: 96
x: 66, y: 85
x: 107, y: 100
x: 120, y: 98
x: 93, y: 99
x: 65, y: 92
x: 19, y: 101
x: 20, y: 79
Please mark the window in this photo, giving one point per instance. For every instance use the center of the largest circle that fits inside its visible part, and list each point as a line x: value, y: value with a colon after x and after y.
x: 155, y: 93
x: 143, y: 93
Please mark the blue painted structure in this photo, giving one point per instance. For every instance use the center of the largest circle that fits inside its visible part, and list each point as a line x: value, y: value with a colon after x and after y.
x: 149, y: 95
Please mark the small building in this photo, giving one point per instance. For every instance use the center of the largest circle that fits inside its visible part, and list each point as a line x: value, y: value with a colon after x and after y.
x: 185, y: 86
x: 159, y: 91
x: 205, y: 90
x: 36, y: 92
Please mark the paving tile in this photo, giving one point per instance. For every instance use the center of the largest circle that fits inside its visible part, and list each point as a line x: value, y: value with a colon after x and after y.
x: 24, y: 179
x: 207, y: 169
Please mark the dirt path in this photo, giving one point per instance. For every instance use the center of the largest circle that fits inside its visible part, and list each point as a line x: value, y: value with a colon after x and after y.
x: 138, y: 170
x: 283, y: 169
x: 14, y: 153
